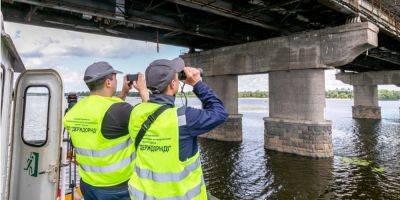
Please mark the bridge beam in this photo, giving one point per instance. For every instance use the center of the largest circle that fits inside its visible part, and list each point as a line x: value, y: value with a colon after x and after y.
x: 296, y: 66
x: 365, y: 89
x: 318, y: 49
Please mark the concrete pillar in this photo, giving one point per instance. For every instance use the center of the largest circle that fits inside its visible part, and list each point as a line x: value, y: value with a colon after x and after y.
x: 366, y: 90
x: 296, y: 65
x: 296, y: 122
x: 366, y: 102
x: 226, y: 87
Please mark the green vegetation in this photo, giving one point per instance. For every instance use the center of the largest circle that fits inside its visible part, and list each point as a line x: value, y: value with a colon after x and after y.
x: 131, y: 94
x: 256, y: 94
x: 331, y: 94
x: 362, y: 163
x: 339, y: 94
x: 389, y: 95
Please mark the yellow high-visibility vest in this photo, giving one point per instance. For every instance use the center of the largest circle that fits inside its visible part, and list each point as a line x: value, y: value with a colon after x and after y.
x: 102, y: 162
x: 158, y: 172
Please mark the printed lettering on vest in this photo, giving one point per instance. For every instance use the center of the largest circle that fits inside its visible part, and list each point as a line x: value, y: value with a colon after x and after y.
x: 152, y: 143
x: 81, y: 125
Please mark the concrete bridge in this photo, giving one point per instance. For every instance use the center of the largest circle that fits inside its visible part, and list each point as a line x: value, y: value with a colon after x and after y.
x: 292, y: 40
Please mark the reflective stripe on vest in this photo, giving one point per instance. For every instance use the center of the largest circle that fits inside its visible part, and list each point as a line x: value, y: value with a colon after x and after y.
x: 168, y: 177
x: 110, y: 168
x: 139, y: 195
x: 104, y: 152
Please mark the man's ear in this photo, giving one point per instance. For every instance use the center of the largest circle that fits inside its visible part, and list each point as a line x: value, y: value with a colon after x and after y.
x: 174, y: 83
x: 171, y: 84
x: 107, y: 83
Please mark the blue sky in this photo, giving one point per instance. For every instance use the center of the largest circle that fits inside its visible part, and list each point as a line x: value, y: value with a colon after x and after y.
x: 71, y: 52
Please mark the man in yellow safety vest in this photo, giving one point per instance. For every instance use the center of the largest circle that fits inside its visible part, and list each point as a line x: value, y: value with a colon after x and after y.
x: 167, y: 164
x: 98, y: 127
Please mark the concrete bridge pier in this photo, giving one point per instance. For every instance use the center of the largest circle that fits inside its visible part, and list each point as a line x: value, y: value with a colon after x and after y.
x: 296, y: 122
x: 366, y: 102
x: 296, y: 65
x: 365, y: 89
x: 226, y: 87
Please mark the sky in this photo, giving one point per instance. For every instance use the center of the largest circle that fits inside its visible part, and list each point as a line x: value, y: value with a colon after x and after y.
x: 71, y: 52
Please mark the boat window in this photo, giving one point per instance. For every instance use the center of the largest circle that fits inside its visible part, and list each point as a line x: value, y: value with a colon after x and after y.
x: 35, y: 115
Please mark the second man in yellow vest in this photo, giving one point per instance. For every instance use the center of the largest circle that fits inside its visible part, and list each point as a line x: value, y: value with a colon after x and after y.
x: 98, y: 128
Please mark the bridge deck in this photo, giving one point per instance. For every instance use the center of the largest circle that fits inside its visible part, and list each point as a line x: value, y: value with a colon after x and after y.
x: 206, y: 24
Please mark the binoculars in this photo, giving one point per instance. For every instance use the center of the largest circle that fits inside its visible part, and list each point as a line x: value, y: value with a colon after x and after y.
x: 182, y: 75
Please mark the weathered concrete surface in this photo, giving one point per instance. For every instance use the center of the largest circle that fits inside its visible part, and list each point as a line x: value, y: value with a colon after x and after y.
x: 296, y: 65
x: 297, y: 94
x: 296, y: 122
x: 304, y: 138
x: 230, y: 131
x: 365, y: 95
x: 366, y: 90
x: 366, y: 112
x: 370, y: 78
x: 366, y: 102
x: 226, y: 88
x: 316, y: 49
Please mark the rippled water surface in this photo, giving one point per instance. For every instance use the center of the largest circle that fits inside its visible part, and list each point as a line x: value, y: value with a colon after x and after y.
x: 248, y: 171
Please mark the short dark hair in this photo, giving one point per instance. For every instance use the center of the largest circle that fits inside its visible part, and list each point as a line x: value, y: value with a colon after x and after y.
x: 99, y: 83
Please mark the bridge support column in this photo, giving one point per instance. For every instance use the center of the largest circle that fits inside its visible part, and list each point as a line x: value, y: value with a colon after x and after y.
x: 226, y: 87
x: 365, y: 88
x: 296, y: 122
x: 296, y: 65
x: 366, y: 102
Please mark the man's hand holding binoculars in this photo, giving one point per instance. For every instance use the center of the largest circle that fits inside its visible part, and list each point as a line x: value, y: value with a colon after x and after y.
x: 193, y: 75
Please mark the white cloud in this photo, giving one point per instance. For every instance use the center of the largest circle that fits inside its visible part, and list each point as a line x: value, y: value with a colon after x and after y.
x: 42, y: 47
x: 38, y: 42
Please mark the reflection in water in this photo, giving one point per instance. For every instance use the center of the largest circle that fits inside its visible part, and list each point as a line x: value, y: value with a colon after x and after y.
x: 234, y: 172
x: 299, y: 177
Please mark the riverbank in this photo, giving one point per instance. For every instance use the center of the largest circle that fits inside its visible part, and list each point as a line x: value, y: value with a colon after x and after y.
x: 391, y: 95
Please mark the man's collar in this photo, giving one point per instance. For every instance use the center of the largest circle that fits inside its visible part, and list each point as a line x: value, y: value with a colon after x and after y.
x: 162, y: 99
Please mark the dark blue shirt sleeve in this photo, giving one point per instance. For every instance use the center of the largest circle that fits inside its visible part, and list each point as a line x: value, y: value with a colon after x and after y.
x: 200, y: 121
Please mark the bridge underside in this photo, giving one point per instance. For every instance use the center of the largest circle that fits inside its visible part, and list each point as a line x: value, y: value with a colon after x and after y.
x: 292, y: 40
x: 201, y: 24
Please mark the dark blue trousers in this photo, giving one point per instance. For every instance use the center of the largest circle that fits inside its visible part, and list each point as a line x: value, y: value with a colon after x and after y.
x: 104, y: 193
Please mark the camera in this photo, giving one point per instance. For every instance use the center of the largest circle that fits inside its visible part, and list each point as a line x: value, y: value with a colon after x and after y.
x: 131, y: 78
x: 72, y: 99
x: 182, y: 75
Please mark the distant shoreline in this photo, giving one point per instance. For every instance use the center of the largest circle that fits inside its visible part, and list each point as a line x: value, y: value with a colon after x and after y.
x: 325, y: 98
x: 384, y: 95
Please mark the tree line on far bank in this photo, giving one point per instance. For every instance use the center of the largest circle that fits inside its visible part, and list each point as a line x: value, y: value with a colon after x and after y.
x: 332, y: 94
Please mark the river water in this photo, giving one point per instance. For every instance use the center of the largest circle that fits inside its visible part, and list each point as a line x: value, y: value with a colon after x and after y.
x: 245, y: 170
x: 248, y: 171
